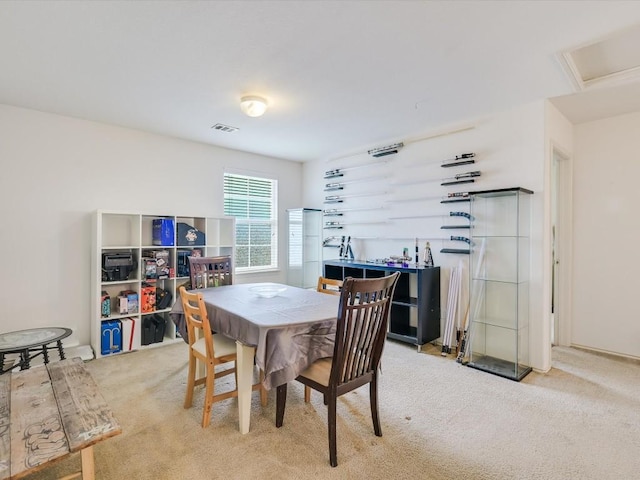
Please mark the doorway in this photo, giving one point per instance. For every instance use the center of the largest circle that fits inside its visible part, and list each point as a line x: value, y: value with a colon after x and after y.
x: 561, y: 240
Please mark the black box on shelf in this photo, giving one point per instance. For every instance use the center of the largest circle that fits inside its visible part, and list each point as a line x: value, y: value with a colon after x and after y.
x: 182, y: 262
x: 148, y: 330
x: 153, y: 328
x: 159, y: 324
x: 188, y: 235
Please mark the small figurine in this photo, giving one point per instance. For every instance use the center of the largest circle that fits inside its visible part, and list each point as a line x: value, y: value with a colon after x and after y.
x: 428, y: 258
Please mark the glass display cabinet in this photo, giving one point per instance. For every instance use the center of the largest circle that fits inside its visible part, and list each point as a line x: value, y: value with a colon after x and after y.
x: 499, y: 267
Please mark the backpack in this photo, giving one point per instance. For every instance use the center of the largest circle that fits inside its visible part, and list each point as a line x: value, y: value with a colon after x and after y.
x: 163, y: 299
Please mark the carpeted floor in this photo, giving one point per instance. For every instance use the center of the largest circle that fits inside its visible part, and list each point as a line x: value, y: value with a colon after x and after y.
x: 440, y: 420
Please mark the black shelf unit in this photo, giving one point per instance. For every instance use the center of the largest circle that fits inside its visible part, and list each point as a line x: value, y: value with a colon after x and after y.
x: 415, y: 309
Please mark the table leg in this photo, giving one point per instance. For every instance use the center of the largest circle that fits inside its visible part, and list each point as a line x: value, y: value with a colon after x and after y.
x: 45, y: 354
x: 88, y: 465
x: 60, y: 350
x: 245, y: 380
x: 25, y: 361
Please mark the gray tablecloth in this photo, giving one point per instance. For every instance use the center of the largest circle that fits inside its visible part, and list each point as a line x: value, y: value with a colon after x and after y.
x: 290, y: 331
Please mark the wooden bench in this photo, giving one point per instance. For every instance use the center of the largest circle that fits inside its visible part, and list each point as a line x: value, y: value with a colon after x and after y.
x: 49, y: 413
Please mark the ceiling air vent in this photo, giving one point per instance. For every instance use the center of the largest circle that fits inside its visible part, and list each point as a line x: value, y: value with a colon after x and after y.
x: 224, y: 128
x: 612, y: 60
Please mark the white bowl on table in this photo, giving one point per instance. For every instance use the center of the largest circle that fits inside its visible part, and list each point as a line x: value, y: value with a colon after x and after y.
x: 267, y: 291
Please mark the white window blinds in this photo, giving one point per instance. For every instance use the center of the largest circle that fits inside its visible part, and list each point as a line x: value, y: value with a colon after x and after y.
x: 252, y: 200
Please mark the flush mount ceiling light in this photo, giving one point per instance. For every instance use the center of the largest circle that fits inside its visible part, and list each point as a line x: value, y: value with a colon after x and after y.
x: 253, y: 106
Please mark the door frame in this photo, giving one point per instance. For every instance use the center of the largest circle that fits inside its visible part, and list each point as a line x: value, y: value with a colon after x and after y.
x: 563, y: 271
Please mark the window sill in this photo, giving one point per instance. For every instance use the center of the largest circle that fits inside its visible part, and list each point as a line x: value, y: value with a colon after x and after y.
x: 254, y: 271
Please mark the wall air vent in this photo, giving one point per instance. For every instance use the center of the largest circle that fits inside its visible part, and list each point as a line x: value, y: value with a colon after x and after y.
x: 388, y: 150
x: 224, y: 128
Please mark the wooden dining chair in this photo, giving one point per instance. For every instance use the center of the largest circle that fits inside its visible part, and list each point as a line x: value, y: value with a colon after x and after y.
x: 363, y: 316
x: 330, y: 286
x: 210, y: 348
x: 209, y: 272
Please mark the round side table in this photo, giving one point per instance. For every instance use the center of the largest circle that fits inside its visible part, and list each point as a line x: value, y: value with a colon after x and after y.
x: 31, y: 343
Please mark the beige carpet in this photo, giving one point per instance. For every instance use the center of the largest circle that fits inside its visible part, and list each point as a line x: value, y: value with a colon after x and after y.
x: 440, y: 420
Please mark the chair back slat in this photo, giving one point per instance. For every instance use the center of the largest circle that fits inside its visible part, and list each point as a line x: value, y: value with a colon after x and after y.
x: 209, y: 272
x: 363, y: 316
x: 330, y: 286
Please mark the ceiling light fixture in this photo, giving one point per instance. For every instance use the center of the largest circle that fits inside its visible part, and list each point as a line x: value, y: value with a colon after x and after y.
x: 253, y: 106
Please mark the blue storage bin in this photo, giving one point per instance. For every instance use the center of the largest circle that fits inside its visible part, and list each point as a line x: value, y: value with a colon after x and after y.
x: 111, y: 337
x: 163, y: 232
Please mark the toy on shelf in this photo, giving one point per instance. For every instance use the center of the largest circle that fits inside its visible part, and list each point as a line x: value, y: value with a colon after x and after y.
x: 427, y: 257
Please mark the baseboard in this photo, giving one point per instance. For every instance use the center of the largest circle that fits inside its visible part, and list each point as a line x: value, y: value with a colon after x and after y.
x: 608, y: 354
x: 85, y: 352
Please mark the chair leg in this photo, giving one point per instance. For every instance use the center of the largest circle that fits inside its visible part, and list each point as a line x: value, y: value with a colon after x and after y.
x: 373, y: 397
x: 281, y: 400
x: 191, y: 379
x: 263, y: 391
x: 208, y: 395
x: 307, y: 394
x: 331, y: 423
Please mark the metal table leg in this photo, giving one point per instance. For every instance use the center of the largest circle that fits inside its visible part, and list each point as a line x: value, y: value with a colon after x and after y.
x: 60, y: 350
x: 25, y: 361
x: 45, y: 354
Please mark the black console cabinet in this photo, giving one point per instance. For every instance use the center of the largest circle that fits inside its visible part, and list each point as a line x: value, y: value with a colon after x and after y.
x: 415, y: 310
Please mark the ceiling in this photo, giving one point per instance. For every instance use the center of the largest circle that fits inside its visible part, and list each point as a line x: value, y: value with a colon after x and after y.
x: 341, y: 77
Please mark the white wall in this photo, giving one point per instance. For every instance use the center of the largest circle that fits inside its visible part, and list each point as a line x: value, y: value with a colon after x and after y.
x: 606, y: 230
x: 56, y: 171
x: 510, y: 150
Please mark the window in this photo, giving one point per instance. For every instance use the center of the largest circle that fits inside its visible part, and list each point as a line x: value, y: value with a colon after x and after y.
x: 252, y: 200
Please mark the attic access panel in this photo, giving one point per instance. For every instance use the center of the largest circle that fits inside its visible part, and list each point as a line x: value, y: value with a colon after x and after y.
x: 601, y: 63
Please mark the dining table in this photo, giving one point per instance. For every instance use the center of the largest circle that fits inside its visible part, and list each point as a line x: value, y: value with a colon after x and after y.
x: 284, y: 328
